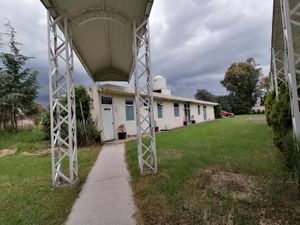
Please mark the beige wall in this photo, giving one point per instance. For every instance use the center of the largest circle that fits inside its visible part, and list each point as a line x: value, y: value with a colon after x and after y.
x: 168, y: 121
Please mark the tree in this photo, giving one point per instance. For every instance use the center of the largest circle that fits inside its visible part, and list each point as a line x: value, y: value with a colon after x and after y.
x: 19, y: 86
x: 83, y: 101
x: 241, y: 80
x: 205, y: 95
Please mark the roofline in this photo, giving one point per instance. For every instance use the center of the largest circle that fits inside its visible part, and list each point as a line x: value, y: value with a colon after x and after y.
x: 49, y: 4
x: 119, y: 90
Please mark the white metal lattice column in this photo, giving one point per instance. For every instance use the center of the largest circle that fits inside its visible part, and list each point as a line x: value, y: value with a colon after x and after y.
x: 278, y: 72
x: 144, y: 99
x: 62, y: 103
x: 291, y: 23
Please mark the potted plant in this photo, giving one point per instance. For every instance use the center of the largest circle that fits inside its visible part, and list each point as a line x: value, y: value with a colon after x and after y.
x: 185, y: 121
x: 193, y: 120
x: 122, y: 134
x: 156, y: 127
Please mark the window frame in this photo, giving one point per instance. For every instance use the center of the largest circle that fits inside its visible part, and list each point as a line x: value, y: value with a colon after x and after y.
x: 129, y: 104
x: 176, y: 110
x: 160, y: 108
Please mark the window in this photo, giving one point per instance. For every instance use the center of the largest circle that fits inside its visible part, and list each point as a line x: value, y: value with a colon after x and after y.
x: 106, y: 100
x: 176, y: 109
x: 159, y: 110
x: 204, y: 113
x: 199, y: 110
x: 129, y: 110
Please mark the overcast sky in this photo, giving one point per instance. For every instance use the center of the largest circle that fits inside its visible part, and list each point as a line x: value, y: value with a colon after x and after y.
x: 193, y: 41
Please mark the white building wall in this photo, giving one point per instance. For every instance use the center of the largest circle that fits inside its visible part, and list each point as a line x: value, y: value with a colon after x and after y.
x: 210, y: 113
x: 169, y: 121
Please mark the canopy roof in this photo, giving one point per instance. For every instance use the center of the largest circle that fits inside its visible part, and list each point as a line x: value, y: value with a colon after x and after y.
x: 277, y: 31
x: 102, y: 32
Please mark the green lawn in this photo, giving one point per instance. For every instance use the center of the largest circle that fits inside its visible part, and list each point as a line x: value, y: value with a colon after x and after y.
x: 221, y: 172
x: 25, y: 182
x: 28, y: 140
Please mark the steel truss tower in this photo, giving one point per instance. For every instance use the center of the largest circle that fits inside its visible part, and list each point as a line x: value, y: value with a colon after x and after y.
x: 291, y: 24
x: 62, y: 102
x: 144, y: 99
x: 277, y: 70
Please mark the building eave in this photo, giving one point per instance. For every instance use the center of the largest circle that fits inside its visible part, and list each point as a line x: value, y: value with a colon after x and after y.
x: 125, y: 91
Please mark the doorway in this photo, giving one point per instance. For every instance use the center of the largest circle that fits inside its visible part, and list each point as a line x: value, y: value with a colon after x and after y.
x: 187, y: 112
x: 107, y: 118
x: 204, y: 113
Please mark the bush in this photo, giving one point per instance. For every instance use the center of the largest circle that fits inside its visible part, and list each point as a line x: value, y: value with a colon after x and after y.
x: 218, y: 112
x: 280, y: 117
x: 87, y: 132
x: 45, y: 125
x: 278, y: 114
x: 268, y: 106
x: 290, y: 149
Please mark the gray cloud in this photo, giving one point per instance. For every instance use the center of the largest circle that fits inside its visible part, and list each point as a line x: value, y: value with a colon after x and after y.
x: 193, y: 41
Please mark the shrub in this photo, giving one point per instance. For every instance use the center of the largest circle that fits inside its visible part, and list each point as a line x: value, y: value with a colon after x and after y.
x: 218, y: 112
x: 278, y: 114
x: 291, y: 151
x: 280, y: 117
x: 45, y: 125
x: 87, y: 132
x: 268, y: 106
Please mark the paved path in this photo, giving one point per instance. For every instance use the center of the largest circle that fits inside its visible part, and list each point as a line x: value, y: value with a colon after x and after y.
x: 106, y: 197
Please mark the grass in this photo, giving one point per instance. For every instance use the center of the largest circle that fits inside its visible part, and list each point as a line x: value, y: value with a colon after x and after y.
x: 25, y: 183
x: 221, y: 172
x: 27, y: 140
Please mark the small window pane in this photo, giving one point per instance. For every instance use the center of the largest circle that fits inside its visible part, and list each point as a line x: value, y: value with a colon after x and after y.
x: 128, y: 102
x: 106, y: 100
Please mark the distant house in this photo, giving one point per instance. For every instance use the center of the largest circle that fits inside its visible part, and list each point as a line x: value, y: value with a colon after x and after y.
x: 114, y: 105
x: 258, y: 108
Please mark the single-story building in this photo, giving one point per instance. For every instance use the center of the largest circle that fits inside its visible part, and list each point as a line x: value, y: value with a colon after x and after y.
x: 258, y: 108
x: 115, y: 105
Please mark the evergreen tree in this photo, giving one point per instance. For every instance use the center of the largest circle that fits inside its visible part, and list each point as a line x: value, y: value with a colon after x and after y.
x: 19, y: 86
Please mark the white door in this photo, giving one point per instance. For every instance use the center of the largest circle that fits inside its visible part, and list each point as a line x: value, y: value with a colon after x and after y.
x: 107, y: 118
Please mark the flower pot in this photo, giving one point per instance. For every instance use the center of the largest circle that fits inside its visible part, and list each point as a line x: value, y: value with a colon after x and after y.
x: 122, y: 135
x: 156, y: 129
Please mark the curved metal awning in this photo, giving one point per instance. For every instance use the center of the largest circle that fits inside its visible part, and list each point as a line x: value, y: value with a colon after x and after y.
x: 277, y: 30
x: 102, y: 33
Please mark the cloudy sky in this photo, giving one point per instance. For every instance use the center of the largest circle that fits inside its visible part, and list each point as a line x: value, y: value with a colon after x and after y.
x: 193, y: 41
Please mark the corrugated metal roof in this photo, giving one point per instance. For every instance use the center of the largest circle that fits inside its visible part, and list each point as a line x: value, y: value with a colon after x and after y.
x: 277, y: 30
x: 102, y: 33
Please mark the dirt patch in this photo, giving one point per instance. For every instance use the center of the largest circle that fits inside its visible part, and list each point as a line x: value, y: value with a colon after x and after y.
x: 46, y: 152
x: 158, y: 209
x: 240, y: 186
x: 7, y: 152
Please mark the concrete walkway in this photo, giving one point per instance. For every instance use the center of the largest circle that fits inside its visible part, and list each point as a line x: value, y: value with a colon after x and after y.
x: 106, y: 197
